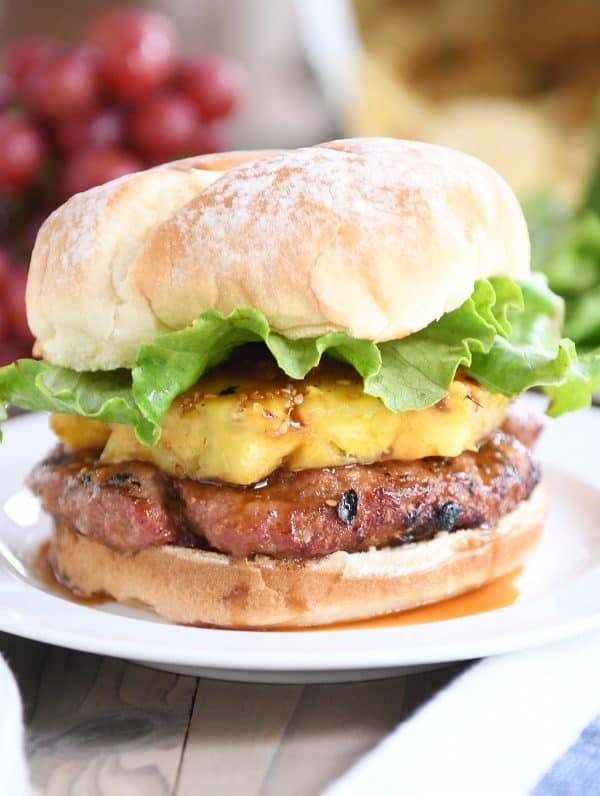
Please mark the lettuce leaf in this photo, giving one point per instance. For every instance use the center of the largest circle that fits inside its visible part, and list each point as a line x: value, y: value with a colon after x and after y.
x: 103, y: 395
x: 417, y: 371
x: 174, y: 362
x: 535, y: 355
x: 505, y: 335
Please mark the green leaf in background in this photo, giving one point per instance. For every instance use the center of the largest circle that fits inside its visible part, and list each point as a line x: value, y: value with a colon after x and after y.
x: 505, y: 335
x: 566, y: 248
x: 565, y: 245
x: 583, y: 319
x: 548, y: 221
x: 591, y: 194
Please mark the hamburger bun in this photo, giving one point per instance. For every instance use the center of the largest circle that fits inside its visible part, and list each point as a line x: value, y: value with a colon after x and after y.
x: 373, y: 237
x: 220, y: 161
x: 190, y: 586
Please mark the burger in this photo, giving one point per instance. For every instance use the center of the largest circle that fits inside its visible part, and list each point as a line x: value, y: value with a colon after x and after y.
x: 285, y: 383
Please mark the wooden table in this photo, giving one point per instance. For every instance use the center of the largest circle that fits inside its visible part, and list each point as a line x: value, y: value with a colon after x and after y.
x: 101, y: 726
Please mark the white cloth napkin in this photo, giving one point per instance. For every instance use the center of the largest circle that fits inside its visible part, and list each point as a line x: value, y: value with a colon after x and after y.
x: 496, y: 729
x: 14, y: 778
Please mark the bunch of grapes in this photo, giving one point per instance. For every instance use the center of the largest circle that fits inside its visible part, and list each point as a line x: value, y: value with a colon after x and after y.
x: 74, y: 116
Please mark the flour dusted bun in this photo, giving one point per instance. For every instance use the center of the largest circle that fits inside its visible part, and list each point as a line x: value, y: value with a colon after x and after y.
x: 81, y: 305
x: 372, y: 237
x: 195, y: 587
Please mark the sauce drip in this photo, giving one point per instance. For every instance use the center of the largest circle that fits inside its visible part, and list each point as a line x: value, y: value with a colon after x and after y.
x: 499, y: 594
x: 44, y: 570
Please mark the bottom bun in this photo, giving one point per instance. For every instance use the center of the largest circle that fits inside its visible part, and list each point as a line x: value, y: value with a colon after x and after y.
x: 196, y: 587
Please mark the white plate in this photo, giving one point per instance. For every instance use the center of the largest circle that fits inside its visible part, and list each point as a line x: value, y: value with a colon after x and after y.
x: 560, y: 589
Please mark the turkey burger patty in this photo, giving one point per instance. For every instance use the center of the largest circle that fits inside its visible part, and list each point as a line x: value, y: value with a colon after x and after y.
x: 301, y: 515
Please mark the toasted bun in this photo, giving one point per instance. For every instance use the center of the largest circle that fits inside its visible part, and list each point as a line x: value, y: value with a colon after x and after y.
x: 373, y: 237
x: 196, y: 587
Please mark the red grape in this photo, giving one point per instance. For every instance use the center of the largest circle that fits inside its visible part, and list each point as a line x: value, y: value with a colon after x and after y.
x: 62, y: 84
x: 21, y: 151
x: 7, y: 90
x: 164, y: 125
x: 96, y: 165
x: 214, y: 84
x: 13, y: 348
x: 5, y: 270
x: 4, y: 323
x: 14, y: 303
x: 97, y: 127
x: 211, y: 137
x: 137, y: 50
x: 32, y: 227
x: 24, y: 54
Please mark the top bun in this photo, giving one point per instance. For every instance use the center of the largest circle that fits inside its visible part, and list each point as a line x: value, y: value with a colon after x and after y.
x: 374, y: 237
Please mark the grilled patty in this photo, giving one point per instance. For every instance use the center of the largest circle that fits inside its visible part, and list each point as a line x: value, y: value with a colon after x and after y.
x: 307, y: 514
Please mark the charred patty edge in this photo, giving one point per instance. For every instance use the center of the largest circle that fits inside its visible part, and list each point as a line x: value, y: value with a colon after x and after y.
x: 308, y: 514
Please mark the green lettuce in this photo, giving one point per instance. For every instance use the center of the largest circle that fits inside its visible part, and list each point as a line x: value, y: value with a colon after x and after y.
x: 102, y: 395
x: 535, y: 356
x: 506, y: 335
x: 174, y: 362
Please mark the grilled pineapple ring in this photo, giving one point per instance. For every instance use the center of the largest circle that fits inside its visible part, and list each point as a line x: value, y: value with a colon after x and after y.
x: 239, y: 423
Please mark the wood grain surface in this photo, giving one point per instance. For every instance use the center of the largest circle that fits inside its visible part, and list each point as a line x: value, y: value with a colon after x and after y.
x: 104, y: 727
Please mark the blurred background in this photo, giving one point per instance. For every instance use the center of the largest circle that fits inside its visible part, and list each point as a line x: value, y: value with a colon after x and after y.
x: 89, y: 92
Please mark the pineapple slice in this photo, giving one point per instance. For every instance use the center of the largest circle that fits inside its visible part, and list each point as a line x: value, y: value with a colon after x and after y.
x: 240, y: 423
x: 79, y: 432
